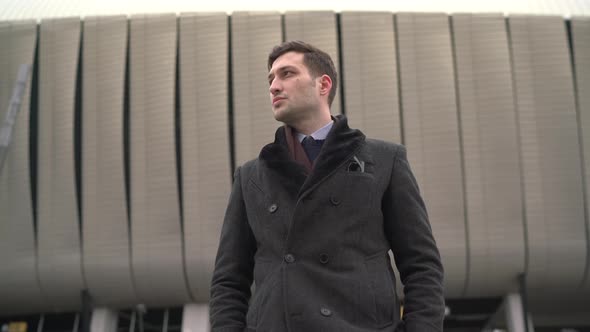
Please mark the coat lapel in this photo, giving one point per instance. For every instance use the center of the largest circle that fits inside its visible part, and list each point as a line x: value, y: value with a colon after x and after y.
x: 340, y: 146
x: 276, y: 156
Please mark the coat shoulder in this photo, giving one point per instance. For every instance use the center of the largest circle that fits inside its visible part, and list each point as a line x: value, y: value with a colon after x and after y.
x: 378, y: 146
x: 249, y: 165
x: 246, y: 170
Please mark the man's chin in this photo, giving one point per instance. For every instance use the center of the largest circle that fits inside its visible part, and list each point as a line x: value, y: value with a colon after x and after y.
x: 280, y: 116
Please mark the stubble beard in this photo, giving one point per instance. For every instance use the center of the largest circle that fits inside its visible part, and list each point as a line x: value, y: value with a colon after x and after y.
x: 285, y: 114
x: 293, y: 114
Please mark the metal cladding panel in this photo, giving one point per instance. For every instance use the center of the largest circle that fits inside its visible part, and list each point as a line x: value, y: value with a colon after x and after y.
x: 206, y: 169
x: 253, y: 37
x: 60, y: 266
x: 581, y: 46
x: 19, y: 287
x: 319, y: 29
x: 369, y: 63
x: 157, y: 245
x: 550, y: 153
x: 431, y: 134
x: 107, y: 255
x: 490, y: 149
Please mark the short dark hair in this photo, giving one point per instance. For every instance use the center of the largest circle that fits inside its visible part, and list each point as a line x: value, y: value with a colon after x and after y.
x: 317, y: 61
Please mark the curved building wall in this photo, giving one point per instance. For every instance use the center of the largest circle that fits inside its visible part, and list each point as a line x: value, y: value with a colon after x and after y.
x: 550, y: 153
x: 581, y: 45
x: 370, y: 86
x: 142, y: 119
x: 59, y: 227
x: 106, y: 235
x: 19, y: 282
x: 492, y: 179
x: 206, y: 164
x: 431, y: 134
x: 157, y: 257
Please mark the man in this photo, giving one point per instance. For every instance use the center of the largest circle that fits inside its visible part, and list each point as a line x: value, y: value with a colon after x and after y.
x: 312, y: 219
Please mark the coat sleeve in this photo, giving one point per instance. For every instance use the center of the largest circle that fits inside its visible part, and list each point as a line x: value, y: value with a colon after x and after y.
x: 232, y: 276
x: 414, y: 248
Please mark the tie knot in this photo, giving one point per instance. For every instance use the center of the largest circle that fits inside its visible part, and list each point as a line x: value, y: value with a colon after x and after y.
x: 308, y: 140
x: 312, y: 147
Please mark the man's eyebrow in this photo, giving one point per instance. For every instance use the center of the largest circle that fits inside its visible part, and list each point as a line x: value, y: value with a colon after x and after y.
x: 286, y: 67
x: 280, y: 69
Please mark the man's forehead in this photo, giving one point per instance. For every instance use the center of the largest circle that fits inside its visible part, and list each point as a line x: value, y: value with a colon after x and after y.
x: 288, y: 59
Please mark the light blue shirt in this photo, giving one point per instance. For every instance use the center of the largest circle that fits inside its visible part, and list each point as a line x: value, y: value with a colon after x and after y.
x: 319, y: 134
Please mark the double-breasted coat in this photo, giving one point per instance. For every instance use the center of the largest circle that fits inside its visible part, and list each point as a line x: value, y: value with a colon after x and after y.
x: 316, y: 245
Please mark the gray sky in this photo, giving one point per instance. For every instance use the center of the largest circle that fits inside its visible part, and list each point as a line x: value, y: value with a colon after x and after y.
x: 22, y: 9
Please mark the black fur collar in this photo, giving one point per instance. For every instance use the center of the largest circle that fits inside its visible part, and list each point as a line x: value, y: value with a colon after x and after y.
x: 339, y: 147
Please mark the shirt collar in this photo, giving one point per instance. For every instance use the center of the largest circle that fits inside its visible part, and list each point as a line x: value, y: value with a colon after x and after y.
x: 319, y: 134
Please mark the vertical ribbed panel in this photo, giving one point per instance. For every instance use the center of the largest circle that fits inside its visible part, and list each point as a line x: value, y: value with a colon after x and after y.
x: 581, y: 45
x: 205, y: 142
x: 319, y: 29
x: 60, y: 266
x: 490, y: 148
x: 432, y: 134
x: 550, y: 153
x: 157, y: 253
x: 370, y: 74
x: 107, y: 261
x: 19, y: 288
x: 253, y: 37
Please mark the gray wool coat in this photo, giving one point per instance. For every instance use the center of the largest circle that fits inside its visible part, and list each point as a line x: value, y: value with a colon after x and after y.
x: 316, y: 245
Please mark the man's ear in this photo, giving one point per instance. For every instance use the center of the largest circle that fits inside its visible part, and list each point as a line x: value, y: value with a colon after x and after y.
x: 325, y: 85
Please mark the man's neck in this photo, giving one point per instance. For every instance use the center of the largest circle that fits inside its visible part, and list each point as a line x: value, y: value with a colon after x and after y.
x: 310, y: 126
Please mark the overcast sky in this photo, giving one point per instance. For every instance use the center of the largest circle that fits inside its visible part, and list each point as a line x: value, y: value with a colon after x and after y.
x: 21, y: 9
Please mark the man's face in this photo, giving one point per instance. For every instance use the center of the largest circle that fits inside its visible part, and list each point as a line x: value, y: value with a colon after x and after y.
x: 294, y: 93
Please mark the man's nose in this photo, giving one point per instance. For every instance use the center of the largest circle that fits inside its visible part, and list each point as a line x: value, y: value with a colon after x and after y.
x: 274, y: 87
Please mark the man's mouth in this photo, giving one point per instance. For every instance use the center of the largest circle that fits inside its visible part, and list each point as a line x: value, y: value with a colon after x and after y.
x: 275, y: 100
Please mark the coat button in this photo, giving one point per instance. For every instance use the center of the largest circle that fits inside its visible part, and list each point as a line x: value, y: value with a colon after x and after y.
x: 324, y: 258
x: 334, y: 200
x: 326, y: 312
x: 272, y: 208
x: 289, y: 258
